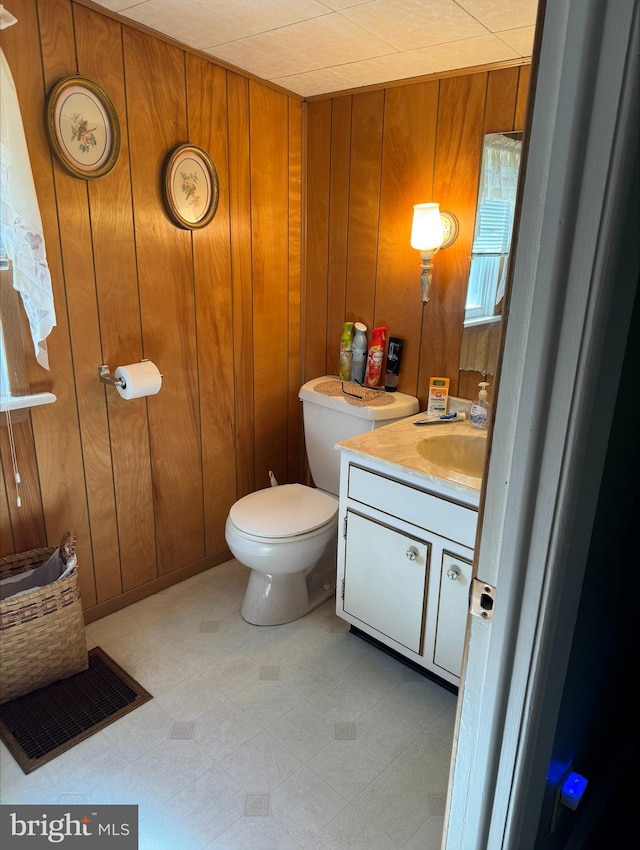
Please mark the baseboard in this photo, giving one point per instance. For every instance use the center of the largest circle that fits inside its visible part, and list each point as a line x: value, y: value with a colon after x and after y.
x: 406, y: 661
x: 102, y: 609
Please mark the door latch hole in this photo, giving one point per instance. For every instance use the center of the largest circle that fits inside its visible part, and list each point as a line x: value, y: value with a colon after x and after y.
x: 482, y: 599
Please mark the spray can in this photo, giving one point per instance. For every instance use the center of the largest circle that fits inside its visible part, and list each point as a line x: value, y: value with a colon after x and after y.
x: 375, y: 357
x: 346, y: 343
x: 359, y: 353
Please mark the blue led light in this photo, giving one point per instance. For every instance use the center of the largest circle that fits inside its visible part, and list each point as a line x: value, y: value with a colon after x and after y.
x: 573, y: 789
x: 557, y: 770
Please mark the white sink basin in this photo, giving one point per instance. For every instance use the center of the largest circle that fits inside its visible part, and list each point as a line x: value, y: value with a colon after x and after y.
x: 460, y: 453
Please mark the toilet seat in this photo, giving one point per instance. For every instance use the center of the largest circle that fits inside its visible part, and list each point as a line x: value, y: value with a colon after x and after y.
x: 288, y: 510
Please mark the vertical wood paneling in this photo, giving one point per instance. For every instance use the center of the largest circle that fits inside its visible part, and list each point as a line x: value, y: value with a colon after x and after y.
x: 35, y: 66
x: 16, y: 436
x: 337, y: 308
x: 15, y: 335
x: 157, y: 121
x: 214, y: 318
x: 315, y: 355
x: 108, y: 270
x: 500, y: 108
x: 407, y: 179
x: 99, y: 46
x: 364, y: 208
x: 469, y: 385
x: 7, y: 544
x: 240, y: 218
x: 524, y: 82
x: 458, y: 147
x: 82, y: 309
x: 430, y: 150
x: 269, y: 251
x: 20, y: 525
x: 294, y: 414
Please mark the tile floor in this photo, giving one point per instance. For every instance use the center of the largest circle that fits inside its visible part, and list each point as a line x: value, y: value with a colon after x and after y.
x: 284, y: 737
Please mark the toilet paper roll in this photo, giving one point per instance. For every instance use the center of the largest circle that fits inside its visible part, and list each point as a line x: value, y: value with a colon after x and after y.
x: 139, y: 379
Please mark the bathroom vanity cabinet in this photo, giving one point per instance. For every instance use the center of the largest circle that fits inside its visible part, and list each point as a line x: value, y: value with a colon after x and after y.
x: 405, y: 552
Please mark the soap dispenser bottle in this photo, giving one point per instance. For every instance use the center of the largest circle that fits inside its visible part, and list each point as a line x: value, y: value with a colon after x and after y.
x: 479, y: 414
x: 346, y: 343
x: 359, y: 353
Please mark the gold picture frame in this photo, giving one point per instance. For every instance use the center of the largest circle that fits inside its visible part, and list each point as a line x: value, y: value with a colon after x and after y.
x: 191, y: 186
x: 83, y: 127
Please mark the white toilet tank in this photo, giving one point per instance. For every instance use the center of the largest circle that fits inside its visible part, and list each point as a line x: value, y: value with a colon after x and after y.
x: 329, y: 419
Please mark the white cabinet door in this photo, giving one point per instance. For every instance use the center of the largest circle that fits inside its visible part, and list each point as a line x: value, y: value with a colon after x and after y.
x: 453, y: 605
x: 385, y: 579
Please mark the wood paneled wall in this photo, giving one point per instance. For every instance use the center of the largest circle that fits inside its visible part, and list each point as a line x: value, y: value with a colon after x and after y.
x: 312, y: 229
x: 148, y: 483
x: 371, y: 157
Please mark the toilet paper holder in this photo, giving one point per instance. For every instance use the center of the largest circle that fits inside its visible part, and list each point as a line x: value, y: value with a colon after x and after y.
x: 104, y: 374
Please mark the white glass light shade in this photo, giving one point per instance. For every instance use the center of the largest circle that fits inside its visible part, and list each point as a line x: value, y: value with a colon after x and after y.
x: 426, y: 232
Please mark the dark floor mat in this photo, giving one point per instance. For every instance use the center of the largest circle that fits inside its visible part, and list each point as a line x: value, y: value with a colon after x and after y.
x: 41, y: 725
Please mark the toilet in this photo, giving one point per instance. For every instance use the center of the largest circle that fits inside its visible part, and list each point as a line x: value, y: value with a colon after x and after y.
x: 287, y: 534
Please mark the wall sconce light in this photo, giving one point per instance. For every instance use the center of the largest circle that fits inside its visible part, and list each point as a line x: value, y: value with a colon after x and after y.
x: 431, y: 230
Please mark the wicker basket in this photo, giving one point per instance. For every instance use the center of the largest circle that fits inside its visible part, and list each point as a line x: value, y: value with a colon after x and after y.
x: 42, y: 636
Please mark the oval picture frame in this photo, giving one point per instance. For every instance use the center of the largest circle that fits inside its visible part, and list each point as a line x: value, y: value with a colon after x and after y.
x: 191, y: 186
x: 82, y: 127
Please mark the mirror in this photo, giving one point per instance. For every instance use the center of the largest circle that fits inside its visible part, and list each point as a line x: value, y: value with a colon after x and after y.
x: 495, y: 209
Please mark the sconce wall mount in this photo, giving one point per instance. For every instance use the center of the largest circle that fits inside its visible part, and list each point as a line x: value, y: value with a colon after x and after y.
x: 430, y: 231
x: 450, y: 228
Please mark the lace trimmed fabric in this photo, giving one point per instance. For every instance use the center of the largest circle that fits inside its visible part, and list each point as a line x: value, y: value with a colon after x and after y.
x: 21, y: 232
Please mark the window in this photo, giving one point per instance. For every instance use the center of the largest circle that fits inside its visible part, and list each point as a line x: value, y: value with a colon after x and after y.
x: 14, y: 384
x: 493, y: 228
x: 22, y: 249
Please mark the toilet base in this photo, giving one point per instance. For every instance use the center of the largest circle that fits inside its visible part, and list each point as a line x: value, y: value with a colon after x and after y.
x: 272, y: 600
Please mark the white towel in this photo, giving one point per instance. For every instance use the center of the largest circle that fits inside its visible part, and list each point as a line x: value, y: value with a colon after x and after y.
x: 6, y: 18
x: 21, y: 225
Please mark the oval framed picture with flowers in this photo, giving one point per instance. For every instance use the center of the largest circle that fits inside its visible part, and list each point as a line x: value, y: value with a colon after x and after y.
x: 191, y: 186
x: 83, y: 128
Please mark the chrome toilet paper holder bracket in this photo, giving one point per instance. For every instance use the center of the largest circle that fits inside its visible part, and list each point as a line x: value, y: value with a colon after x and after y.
x: 104, y: 374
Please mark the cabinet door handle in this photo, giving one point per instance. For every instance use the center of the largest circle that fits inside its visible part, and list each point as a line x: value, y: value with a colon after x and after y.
x: 411, y: 553
x: 453, y: 574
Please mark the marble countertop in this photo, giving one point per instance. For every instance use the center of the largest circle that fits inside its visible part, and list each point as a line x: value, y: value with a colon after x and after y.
x: 394, y: 447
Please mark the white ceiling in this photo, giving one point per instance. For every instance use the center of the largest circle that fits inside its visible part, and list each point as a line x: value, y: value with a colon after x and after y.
x: 315, y: 47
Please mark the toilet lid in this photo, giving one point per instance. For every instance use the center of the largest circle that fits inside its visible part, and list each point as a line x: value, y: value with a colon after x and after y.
x: 283, y: 511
